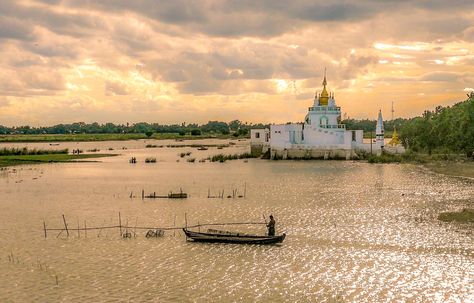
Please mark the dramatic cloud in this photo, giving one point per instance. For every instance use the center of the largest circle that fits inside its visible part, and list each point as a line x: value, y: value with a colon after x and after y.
x: 184, y: 60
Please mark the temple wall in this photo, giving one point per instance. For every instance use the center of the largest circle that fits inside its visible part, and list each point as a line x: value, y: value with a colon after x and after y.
x: 313, y: 153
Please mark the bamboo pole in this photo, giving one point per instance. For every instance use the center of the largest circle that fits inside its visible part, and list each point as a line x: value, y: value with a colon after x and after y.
x: 78, y: 230
x: 185, y: 220
x: 85, y: 229
x: 120, y: 224
x: 44, y: 227
x: 174, y: 225
x: 371, y: 142
x: 65, y: 225
x: 61, y: 231
x: 135, y: 229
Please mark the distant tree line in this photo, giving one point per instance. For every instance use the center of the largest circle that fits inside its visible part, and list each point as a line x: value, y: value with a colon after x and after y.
x: 369, y: 125
x: 235, y: 127
x: 446, y: 129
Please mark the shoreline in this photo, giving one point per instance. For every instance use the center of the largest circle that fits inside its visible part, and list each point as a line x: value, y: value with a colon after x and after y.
x: 7, y: 161
x: 455, y: 169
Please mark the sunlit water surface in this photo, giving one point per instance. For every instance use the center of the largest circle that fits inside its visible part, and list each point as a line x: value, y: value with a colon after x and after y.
x: 355, y: 232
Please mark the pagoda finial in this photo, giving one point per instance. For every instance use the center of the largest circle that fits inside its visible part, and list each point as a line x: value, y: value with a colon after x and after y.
x: 324, y: 97
x: 324, y: 81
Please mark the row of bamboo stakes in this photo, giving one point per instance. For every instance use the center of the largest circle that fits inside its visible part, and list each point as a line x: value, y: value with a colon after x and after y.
x: 220, y: 194
x: 126, y: 227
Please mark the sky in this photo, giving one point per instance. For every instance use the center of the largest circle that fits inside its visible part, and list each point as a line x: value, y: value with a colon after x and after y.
x: 163, y: 61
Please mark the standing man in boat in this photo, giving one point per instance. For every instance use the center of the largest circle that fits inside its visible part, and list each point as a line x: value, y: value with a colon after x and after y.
x: 271, y: 226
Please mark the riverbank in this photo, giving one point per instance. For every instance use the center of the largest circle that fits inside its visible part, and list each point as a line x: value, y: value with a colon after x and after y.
x: 456, y: 165
x: 452, y: 168
x: 13, y: 160
x: 106, y: 137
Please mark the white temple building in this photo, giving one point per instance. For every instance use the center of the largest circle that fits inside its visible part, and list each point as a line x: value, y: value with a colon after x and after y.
x: 321, y: 135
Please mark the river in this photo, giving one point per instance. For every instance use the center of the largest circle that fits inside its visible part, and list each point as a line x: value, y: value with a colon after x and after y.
x: 356, y: 232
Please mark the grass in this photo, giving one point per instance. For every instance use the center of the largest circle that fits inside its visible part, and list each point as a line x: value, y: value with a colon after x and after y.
x: 447, y: 164
x: 413, y: 157
x: 25, y: 151
x: 452, y: 168
x: 464, y: 216
x: 103, y: 137
x: 222, y: 158
x: 48, y: 158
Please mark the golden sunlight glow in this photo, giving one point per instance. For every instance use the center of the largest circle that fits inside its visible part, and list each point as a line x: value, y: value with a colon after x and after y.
x: 89, y: 63
x: 281, y: 85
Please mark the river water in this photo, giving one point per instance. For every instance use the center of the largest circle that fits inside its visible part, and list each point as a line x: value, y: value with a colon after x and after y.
x: 356, y: 232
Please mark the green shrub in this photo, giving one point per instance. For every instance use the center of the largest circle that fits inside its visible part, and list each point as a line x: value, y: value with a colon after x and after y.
x: 196, y: 132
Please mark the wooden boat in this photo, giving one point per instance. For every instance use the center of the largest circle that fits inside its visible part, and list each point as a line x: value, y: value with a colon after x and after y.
x: 216, y: 236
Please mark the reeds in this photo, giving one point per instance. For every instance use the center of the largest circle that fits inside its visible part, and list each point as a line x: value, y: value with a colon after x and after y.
x: 25, y: 151
x: 222, y: 158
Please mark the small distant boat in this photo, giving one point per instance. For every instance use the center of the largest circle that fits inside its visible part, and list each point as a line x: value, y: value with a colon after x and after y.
x: 202, y: 148
x: 53, y: 144
x: 216, y: 236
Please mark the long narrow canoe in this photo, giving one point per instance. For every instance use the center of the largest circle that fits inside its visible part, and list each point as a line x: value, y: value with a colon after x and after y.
x: 228, y: 237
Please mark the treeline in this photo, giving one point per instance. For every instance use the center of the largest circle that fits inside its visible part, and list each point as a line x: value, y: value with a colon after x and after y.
x: 444, y: 130
x: 369, y: 125
x: 236, y: 127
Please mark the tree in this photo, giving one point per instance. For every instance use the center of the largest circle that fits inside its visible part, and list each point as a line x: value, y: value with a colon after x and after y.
x: 234, y: 125
x: 149, y: 133
x: 196, y: 132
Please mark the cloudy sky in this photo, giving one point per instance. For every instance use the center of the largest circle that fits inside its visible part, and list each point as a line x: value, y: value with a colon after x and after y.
x: 257, y: 61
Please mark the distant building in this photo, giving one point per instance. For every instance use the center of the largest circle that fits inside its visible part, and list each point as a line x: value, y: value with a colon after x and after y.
x: 321, y: 135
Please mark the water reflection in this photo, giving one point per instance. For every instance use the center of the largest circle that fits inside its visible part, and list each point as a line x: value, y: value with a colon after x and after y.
x: 356, y: 232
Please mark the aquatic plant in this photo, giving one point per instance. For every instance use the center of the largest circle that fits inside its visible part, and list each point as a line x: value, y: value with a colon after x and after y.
x: 25, y: 151
x: 222, y: 158
x: 464, y: 216
x: 150, y: 160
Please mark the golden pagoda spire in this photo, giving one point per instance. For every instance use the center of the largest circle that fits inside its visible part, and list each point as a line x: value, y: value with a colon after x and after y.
x: 323, y: 99
x: 395, y: 141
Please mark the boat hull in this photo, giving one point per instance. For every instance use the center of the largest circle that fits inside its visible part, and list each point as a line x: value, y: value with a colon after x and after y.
x: 232, y: 238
